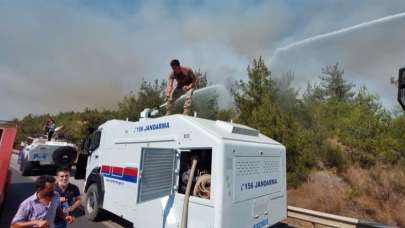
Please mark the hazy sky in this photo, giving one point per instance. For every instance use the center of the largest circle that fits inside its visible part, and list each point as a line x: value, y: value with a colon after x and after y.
x: 67, y: 55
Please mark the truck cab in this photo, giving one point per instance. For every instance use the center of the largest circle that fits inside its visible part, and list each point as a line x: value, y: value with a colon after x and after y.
x: 139, y: 170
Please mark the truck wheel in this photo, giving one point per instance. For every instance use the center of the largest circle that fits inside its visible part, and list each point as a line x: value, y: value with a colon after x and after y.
x: 26, y: 167
x: 64, y: 156
x: 92, y: 207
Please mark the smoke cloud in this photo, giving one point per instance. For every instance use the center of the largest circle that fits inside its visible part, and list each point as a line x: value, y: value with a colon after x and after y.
x: 370, y: 53
x: 68, y: 55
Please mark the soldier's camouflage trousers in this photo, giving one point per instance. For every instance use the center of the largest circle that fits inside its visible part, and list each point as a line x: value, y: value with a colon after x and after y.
x: 178, y: 92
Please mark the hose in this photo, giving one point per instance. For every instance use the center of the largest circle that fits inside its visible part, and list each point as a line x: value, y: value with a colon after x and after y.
x: 184, y: 214
x: 202, y: 187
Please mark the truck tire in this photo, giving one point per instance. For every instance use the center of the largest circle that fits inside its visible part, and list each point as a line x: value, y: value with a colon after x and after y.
x: 64, y: 156
x: 26, y: 167
x: 92, y: 206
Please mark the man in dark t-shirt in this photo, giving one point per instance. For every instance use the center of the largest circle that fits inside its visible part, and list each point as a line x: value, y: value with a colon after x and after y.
x: 69, y: 195
x: 186, y: 81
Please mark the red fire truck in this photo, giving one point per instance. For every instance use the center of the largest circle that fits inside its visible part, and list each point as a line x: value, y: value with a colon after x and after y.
x: 7, y: 134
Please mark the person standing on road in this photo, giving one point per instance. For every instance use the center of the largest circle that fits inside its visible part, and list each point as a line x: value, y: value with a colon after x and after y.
x: 21, y: 152
x: 70, y: 201
x: 186, y: 81
x: 40, y: 209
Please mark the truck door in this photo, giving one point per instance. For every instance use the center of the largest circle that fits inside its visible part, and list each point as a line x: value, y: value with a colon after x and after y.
x: 157, y: 173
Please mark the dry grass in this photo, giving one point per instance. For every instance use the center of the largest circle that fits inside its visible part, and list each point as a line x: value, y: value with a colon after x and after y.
x: 324, y: 191
x: 377, y: 194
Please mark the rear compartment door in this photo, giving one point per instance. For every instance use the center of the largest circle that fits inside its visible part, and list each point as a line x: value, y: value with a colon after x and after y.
x: 157, y: 173
x: 256, y: 176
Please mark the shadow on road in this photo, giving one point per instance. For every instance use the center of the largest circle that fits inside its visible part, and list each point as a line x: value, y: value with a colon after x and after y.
x: 107, y: 216
x: 38, y: 172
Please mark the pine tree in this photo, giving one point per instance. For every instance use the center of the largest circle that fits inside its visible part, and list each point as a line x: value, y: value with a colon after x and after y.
x: 249, y: 95
x: 334, y: 85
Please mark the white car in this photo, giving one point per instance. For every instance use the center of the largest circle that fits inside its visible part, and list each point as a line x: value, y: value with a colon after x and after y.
x: 42, y: 153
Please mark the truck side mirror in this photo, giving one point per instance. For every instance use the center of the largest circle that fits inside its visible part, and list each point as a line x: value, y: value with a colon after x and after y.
x: 81, y: 167
x: 86, y: 145
x: 401, y: 87
x: 94, y: 141
x: 86, y: 149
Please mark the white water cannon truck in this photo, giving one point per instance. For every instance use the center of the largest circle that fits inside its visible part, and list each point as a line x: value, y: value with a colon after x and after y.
x: 141, y: 170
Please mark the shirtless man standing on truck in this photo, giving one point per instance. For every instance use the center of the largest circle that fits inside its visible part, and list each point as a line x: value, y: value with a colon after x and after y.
x: 186, y: 81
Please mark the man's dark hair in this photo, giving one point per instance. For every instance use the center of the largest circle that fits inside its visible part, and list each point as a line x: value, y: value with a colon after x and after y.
x: 63, y: 169
x: 40, y: 183
x: 175, y: 62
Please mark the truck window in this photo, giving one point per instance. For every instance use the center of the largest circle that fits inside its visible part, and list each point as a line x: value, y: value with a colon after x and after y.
x: 157, y: 173
x: 202, y: 177
x: 95, y: 140
x: 1, y: 134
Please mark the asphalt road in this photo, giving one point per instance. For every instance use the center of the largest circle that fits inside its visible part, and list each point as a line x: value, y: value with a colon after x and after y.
x: 22, y: 187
